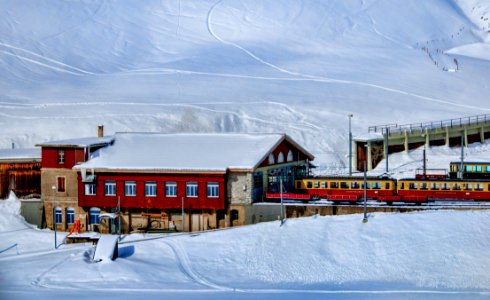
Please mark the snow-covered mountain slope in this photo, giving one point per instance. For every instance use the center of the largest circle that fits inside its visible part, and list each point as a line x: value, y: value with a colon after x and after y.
x: 242, y: 66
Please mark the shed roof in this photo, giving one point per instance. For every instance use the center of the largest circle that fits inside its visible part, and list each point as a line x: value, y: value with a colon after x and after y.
x: 186, y: 152
x: 80, y: 142
x: 21, y: 154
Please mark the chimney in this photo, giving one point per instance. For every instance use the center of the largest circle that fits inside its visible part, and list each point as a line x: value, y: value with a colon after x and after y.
x: 100, y: 132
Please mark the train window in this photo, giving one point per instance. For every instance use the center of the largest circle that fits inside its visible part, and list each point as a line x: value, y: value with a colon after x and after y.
x: 445, y: 186
x: 468, y: 168
x: 456, y: 186
x: 434, y: 186
x: 423, y: 186
x: 324, y: 185
x: 478, y: 168
x: 478, y: 187
x: 309, y: 184
x: 368, y: 185
x: 454, y: 168
x: 334, y: 185
x: 298, y: 185
x: 412, y: 186
x: 317, y: 184
x: 376, y: 185
x: 344, y: 185
x: 387, y: 185
x: 468, y: 187
x: 354, y: 185
x: 487, y: 168
x: 402, y: 185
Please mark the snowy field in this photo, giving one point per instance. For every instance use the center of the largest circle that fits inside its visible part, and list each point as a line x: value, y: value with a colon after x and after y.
x: 239, y: 66
x: 430, y: 255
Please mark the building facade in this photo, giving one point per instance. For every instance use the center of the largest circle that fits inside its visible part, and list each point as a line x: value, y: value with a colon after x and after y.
x: 157, y: 182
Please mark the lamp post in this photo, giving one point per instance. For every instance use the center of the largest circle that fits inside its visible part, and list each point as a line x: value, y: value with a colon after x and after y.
x: 364, y: 220
x: 54, y: 216
x: 350, y: 144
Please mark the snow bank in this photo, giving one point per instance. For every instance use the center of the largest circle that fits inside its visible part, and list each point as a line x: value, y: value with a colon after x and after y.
x: 10, y: 218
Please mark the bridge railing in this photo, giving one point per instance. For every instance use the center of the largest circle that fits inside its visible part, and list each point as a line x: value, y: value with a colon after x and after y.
x: 393, y: 128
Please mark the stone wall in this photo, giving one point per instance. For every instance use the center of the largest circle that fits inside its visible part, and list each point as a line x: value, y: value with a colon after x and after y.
x: 239, y: 188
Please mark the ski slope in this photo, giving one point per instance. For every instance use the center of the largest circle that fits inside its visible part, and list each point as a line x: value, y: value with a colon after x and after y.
x: 250, y: 66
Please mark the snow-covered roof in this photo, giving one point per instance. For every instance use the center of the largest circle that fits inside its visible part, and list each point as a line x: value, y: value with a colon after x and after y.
x: 80, y: 142
x: 31, y: 154
x: 186, y: 152
x: 369, y: 137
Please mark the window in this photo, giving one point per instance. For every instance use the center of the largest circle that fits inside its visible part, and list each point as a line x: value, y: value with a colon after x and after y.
x: 324, y: 185
x: 445, y: 186
x: 94, y: 215
x: 478, y: 187
x: 90, y: 189
x: 58, y: 217
x: 151, y: 189
x: 478, y: 168
x: 376, y: 185
x: 280, y: 158
x: 290, y: 156
x: 70, y: 215
x: 309, y: 184
x: 61, y: 157
x: 191, y: 189
x: 271, y: 159
x: 468, y: 186
x: 355, y: 185
x: 171, y: 189
x: 317, y: 184
x: 110, y: 188
x: 402, y: 185
x: 334, y: 185
x: 298, y: 185
x: 213, y: 189
x: 487, y: 168
x: 412, y: 186
x: 130, y: 188
x: 61, y: 184
x: 468, y: 168
x: 344, y: 185
x: 456, y: 186
x: 434, y: 186
x: 423, y: 186
x: 368, y: 185
x: 387, y: 185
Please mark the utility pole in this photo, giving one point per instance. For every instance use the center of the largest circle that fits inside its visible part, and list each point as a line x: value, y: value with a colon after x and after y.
x: 183, y: 226
x: 461, y: 170
x: 119, y: 216
x: 364, y: 220
x: 282, y: 204
x: 350, y: 145
x: 54, y: 216
x: 386, y: 147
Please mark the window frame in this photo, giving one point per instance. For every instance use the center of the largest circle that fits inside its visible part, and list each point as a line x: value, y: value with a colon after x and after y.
x: 191, y: 189
x: 61, y: 157
x: 150, y: 186
x: 94, y: 212
x: 212, y: 187
x: 128, y: 188
x: 171, y: 186
x: 90, y: 189
x: 58, y: 215
x: 70, y: 215
x: 61, y: 184
x: 107, y: 184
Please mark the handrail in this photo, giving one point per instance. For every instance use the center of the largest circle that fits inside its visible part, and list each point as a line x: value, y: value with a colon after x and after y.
x: 471, y: 120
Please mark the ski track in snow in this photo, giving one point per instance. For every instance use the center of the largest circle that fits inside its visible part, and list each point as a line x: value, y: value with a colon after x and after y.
x: 185, y: 266
x: 320, y: 78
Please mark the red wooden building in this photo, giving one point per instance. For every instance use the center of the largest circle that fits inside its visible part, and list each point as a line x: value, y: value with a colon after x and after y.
x: 214, y: 178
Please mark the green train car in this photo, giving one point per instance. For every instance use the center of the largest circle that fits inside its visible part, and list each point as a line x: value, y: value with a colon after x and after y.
x: 471, y: 170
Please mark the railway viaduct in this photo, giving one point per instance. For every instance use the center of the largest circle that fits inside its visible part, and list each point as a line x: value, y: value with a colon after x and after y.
x: 383, y: 140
